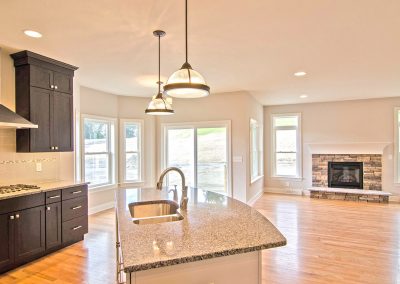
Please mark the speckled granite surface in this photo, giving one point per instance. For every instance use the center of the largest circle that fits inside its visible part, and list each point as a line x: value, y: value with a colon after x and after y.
x: 213, y: 226
x: 45, y: 186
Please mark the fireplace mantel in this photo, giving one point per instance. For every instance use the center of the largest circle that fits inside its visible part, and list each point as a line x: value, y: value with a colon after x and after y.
x: 347, y: 148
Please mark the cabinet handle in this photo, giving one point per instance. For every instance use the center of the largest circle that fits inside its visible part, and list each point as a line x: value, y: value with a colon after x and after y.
x: 16, y: 216
x: 52, y: 147
x: 51, y: 86
x: 76, y: 228
x: 12, y: 217
x: 76, y: 207
x: 55, y: 196
x: 56, y: 87
x: 76, y: 192
x: 48, y: 208
x: 56, y: 147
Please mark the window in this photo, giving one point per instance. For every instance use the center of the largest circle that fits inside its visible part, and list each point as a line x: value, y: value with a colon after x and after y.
x: 256, y: 150
x: 202, y: 151
x: 286, y: 145
x: 131, y: 150
x: 98, y: 151
x: 397, y: 143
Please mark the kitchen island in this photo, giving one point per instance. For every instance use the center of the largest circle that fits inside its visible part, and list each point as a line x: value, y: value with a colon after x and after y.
x: 217, y: 240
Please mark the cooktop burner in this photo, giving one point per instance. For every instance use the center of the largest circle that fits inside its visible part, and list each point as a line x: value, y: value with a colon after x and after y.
x: 17, y: 187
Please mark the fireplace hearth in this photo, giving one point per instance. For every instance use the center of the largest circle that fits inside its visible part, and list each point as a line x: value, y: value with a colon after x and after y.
x: 345, y: 175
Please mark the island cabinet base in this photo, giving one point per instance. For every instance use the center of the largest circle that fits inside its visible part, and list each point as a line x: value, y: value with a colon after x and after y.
x: 239, y: 268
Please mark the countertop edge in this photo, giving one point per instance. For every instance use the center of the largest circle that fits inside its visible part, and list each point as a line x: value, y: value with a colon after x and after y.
x: 194, y: 258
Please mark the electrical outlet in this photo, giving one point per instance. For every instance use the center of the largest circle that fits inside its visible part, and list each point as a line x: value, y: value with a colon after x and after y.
x: 38, y: 167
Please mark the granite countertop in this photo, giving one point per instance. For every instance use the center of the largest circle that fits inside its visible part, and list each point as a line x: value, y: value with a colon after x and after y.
x: 44, y: 186
x: 214, y: 225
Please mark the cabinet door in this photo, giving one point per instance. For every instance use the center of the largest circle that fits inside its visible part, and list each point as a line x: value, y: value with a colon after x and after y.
x: 29, y: 233
x: 62, y: 134
x: 41, y: 111
x: 41, y: 77
x: 6, y: 241
x: 53, y: 225
x: 62, y: 82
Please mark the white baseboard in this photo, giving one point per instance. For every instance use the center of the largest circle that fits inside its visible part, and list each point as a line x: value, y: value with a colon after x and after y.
x: 255, y: 198
x: 284, y: 190
x: 101, y: 207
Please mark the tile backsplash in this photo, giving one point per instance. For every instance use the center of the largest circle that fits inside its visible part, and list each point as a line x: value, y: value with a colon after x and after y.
x: 21, y: 167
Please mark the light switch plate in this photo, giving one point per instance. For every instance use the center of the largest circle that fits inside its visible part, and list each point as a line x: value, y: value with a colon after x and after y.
x: 38, y: 167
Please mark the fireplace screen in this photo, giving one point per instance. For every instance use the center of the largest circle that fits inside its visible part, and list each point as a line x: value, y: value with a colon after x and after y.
x: 345, y: 174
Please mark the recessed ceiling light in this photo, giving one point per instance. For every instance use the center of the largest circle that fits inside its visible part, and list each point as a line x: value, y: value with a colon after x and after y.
x: 31, y: 33
x: 303, y: 96
x: 300, y: 74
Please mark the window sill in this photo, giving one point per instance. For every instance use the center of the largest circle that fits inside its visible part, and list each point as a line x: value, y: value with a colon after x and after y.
x: 253, y: 180
x: 135, y: 183
x: 102, y: 188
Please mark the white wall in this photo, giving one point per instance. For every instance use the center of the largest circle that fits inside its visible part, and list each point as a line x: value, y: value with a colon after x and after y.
x: 359, y: 121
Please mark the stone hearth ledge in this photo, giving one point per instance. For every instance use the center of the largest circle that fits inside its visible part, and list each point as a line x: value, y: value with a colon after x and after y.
x: 44, y: 186
x: 213, y: 226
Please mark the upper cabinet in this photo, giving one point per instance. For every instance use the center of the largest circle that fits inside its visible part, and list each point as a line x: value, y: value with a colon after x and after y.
x: 44, y: 96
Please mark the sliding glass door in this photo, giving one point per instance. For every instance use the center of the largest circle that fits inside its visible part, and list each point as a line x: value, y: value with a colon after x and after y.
x: 202, y: 152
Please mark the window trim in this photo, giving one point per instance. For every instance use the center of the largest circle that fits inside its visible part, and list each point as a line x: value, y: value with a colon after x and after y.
x: 396, y: 145
x: 112, y: 144
x: 299, y: 154
x: 122, y: 152
x: 199, y: 124
x: 260, y: 150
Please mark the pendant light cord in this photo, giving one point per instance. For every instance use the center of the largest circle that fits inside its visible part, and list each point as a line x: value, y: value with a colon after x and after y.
x: 186, y: 28
x: 159, y: 63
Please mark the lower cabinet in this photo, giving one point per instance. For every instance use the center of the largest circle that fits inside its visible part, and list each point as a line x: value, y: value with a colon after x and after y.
x: 6, y: 241
x: 53, y: 225
x: 34, y: 225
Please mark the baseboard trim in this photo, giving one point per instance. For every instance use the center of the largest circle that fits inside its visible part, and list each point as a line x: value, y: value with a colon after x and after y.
x: 255, y: 198
x: 280, y: 190
x: 101, y: 207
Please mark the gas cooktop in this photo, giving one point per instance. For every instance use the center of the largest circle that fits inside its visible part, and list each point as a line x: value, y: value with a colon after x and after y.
x: 17, y: 187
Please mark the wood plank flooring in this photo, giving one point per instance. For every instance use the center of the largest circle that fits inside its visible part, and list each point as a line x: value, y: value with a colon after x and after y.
x: 328, y: 242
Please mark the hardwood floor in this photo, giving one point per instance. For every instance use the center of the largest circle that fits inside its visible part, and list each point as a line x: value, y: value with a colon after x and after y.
x: 328, y: 242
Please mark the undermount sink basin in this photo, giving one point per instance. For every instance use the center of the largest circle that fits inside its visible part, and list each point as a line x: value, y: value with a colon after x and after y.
x: 153, y: 212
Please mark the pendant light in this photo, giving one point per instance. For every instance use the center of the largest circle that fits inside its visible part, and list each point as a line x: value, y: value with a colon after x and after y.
x: 186, y: 82
x: 159, y: 104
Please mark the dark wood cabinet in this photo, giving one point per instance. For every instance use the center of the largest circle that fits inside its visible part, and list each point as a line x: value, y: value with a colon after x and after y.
x: 53, y: 225
x: 6, y: 241
x: 44, y: 96
x: 29, y: 233
x: 34, y: 225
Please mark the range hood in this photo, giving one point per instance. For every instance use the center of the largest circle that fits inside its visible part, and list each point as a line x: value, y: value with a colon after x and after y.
x: 9, y: 119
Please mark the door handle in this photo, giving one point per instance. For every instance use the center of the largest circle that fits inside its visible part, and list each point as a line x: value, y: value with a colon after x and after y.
x: 55, y: 196
x: 12, y: 217
x: 51, y: 86
x: 76, y: 228
x: 16, y: 216
x: 56, y: 87
x: 76, y: 192
x: 56, y: 147
x: 48, y: 208
x: 52, y: 147
x: 76, y: 207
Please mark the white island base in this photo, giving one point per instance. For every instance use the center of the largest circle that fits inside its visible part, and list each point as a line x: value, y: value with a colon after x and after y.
x: 238, y: 268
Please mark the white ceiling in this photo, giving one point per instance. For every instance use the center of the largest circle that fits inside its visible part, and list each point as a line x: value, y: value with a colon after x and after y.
x: 349, y: 48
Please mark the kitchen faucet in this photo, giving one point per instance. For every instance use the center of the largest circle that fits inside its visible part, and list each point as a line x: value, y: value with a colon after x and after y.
x: 184, y: 198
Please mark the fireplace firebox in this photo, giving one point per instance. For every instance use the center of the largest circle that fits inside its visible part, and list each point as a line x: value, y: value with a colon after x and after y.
x: 345, y: 174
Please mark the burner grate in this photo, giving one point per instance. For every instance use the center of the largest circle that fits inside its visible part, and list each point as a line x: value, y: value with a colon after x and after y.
x: 16, y: 188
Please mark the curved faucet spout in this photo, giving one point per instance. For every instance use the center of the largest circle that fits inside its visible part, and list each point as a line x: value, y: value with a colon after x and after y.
x: 184, y: 199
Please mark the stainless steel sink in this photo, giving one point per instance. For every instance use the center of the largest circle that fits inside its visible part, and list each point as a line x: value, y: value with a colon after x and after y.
x: 153, y: 212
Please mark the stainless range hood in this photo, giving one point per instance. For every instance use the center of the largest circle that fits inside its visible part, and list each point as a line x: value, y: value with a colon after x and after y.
x: 9, y: 119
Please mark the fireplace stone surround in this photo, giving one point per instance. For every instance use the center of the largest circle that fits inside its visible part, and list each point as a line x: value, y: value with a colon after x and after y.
x: 372, y: 178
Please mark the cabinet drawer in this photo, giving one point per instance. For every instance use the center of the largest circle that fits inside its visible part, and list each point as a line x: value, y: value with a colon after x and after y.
x: 74, y: 192
x: 74, y: 229
x: 53, y: 196
x: 21, y: 203
x: 74, y: 208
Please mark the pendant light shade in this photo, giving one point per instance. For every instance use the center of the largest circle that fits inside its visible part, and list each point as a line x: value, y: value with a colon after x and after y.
x: 159, y: 104
x: 186, y: 82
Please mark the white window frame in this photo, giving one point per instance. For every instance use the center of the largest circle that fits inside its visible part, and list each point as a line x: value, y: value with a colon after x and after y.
x: 256, y: 126
x: 195, y: 125
x: 299, y: 163
x: 112, y: 145
x: 140, y: 152
x: 396, y: 146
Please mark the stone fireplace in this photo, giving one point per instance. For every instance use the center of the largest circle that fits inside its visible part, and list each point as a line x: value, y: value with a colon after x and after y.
x: 368, y: 166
